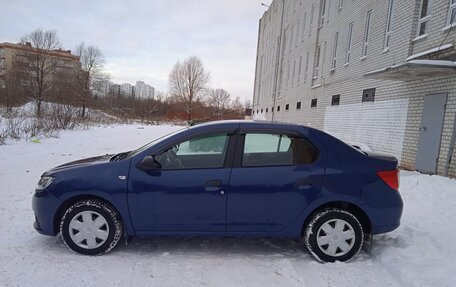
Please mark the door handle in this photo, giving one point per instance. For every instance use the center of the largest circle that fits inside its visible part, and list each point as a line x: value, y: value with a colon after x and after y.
x: 304, y: 184
x: 213, y: 185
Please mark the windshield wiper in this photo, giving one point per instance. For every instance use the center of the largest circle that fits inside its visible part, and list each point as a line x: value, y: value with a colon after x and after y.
x: 119, y: 156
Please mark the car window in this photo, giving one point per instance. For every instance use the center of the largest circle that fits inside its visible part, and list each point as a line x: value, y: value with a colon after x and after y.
x: 206, y: 151
x: 276, y: 150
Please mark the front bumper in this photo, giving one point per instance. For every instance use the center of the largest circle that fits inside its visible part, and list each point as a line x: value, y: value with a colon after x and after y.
x: 45, y: 206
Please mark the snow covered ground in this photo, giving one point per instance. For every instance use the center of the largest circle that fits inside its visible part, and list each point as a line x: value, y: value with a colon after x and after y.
x: 421, y: 252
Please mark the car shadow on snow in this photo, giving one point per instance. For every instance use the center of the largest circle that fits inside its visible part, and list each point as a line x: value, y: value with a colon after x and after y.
x: 225, y: 246
x: 214, y: 246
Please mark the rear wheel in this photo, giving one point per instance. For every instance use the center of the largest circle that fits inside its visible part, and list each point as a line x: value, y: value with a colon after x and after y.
x: 91, y: 227
x: 334, y: 235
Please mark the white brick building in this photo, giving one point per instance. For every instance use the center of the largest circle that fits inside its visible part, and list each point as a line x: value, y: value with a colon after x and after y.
x: 360, y: 70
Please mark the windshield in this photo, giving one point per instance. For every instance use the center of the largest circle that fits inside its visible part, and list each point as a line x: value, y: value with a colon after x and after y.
x: 155, y: 141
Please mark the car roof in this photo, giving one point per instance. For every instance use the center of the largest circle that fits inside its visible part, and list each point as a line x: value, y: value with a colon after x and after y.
x: 249, y: 124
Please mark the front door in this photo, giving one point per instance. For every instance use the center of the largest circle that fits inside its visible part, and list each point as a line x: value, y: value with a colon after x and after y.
x: 430, y: 133
x: 187, y: 192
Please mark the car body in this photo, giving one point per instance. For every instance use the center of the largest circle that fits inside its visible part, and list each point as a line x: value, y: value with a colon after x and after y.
x: 226, y: 178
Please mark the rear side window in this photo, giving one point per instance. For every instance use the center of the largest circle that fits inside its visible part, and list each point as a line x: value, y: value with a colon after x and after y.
x: 277, y: 150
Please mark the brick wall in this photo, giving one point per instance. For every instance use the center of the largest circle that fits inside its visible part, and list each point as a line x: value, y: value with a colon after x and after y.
x: 347, y: 80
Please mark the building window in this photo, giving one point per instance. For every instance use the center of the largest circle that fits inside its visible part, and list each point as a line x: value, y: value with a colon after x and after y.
x: 335, y: 100
x: 299, y: 69
x: 307, y: 67
x: 298, y: 105
x: 278, y: 108
x: 291, y: 38
x: 312, y: 10
x: 341, y: 4
x: 288, y: 75
x: 304, y: 20
x: 287, y: 107
x: 2, y: 53
x: 266, y: 109
x: 451, y: 14
x: 2, y: 84
x: 349, y: 43
x: 369, y: 95
x: 334, y: 58
x: 293, y: 73
x: 317, y: 61
x: 389, y: 23
x: 366, y: 33
x: 297, y: 32
x: 261, y: 110
x: 313, y: 103
x: 425, y: 15
x: 322, y: 12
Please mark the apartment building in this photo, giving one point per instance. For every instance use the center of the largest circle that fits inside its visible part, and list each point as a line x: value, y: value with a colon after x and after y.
x: 143, y: 90
x: 381, y: 73
x: 127, y: 89
x: 13, y: 56
x: 18, y: 69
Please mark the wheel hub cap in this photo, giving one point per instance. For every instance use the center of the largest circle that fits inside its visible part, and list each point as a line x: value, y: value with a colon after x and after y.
x: 336, y: 237
x: 88, y: 229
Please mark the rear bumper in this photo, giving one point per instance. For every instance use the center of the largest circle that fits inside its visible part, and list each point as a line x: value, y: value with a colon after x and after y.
x: 45, y: 206
x: 385, y: 219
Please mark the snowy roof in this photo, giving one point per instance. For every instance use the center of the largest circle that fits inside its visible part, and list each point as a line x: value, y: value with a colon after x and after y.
x: 414, y: 70
x: 430, y: 51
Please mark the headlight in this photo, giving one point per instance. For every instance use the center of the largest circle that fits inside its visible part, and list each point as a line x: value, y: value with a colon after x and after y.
x: 44, y: 182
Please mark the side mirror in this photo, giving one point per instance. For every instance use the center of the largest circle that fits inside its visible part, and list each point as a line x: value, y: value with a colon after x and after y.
x: 149, y: 164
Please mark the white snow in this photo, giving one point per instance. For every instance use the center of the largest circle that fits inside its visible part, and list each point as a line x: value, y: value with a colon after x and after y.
x: 421, y: 252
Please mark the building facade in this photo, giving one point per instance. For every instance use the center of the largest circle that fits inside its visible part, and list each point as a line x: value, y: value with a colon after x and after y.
x: 126, y: 89
x: 381, y: 73
x: 144, y: 91
x: 19, y: 67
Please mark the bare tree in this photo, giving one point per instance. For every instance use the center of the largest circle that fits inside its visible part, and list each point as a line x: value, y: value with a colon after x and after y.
x: 92, y: 61
x: 187, y: 82
x: 38, y: 65
x: 237, y: 106
x: 248, y: 104
x: 11, y: 92
x: 219, y: 99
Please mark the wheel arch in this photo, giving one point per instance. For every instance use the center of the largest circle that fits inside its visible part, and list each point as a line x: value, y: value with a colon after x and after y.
x: 72, y: 200
x: 354, y: 209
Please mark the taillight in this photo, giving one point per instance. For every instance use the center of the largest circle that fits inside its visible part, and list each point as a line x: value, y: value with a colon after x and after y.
x: 390, y: 177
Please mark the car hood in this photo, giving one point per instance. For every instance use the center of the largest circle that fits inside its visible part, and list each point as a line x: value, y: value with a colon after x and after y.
x: 80, y: 163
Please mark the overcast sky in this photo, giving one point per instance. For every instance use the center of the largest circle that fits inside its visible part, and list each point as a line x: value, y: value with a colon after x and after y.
x: 142, y: 40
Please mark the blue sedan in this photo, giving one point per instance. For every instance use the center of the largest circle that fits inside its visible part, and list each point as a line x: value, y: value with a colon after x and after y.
x: 226, y: 178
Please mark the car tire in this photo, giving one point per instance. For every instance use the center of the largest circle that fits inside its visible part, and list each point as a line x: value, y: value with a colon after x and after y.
x: 91, y: 227
x: 334, y: 235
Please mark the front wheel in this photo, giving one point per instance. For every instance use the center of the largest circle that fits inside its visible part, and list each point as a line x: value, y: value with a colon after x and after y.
x: 334, y: 235
x: 91, y: 227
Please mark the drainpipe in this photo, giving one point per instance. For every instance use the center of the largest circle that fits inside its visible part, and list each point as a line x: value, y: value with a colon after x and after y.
x: 278, y: 57
x: 451, y: 148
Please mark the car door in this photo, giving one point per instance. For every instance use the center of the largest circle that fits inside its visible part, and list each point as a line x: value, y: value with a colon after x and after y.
x: 277, y: 173
x: 187, y: 192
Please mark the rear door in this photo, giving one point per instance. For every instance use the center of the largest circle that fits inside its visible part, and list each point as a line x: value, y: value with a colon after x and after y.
x: 275, y: 175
